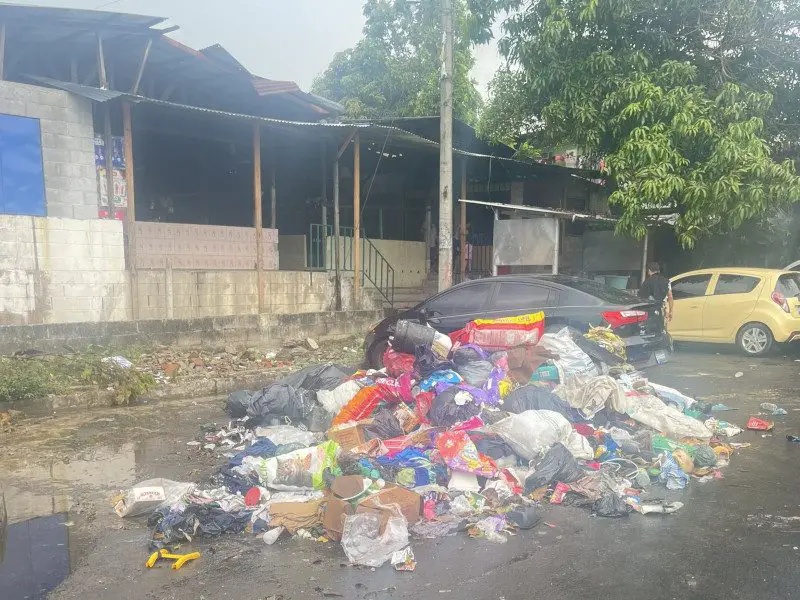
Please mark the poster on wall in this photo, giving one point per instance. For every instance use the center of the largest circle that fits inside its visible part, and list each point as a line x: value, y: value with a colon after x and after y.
x: 524, y: 242
x: 111, y: 205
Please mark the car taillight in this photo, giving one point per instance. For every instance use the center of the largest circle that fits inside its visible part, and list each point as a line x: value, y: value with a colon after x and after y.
x: 618, y: 318
x: 780, y: 300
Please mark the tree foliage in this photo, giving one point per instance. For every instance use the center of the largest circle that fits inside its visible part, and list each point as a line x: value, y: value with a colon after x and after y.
x: 688, y: 101
x: 394, y: 70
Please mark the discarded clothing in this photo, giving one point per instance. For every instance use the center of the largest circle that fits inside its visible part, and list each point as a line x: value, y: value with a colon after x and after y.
x: 263, y: 448
x: 533, y: 397
x: 183, y: 525
x: 589, y: 396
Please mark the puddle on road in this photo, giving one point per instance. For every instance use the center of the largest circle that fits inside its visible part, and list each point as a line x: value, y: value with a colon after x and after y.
x: 43, y: 541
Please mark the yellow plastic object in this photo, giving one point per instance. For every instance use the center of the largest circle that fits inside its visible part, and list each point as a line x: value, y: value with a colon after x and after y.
x: 529, y: 319
x: 180, y: 559
x: 504, y: 387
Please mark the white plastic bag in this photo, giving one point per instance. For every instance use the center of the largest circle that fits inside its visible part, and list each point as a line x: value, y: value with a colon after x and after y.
x: 334, y: 400
x: 289, y: 434
x: 533, y: 432
x: 572, y: 360
x: 672, y: 396
x: 589, y: 395
x: 651, y: 411
x: 144, y: 497
x: 365, y: 545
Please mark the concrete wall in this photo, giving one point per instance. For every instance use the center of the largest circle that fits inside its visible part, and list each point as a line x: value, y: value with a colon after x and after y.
x: 61, y: 270
x: 263, y: 331
x: 67, y: 146
x: 408, y: 259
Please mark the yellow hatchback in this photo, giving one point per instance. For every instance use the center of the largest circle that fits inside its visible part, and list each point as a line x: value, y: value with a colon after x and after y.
x: 752, y: 308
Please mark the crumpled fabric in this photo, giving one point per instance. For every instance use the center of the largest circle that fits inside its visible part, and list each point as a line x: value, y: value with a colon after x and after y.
x: 263, y: 448
x: 589, y: 396
x: 183, y: 525
x: 533, y: 397
x: 557, y: 465
x: 651, y: 411
x: 534, y: 431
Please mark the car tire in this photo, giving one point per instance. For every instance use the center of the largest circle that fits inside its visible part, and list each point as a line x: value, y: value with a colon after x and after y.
x: 375, y: 354
x: 755, y: 339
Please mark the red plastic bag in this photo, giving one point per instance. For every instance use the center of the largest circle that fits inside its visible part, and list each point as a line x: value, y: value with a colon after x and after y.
x: 397, y: 363
x: 756, y: 424
x: 396, y: 390
x: 504, y: 333
x: 423, y: 401
x: 360, y: 406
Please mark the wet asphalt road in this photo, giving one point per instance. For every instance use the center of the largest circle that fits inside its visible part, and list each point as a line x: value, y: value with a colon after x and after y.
x: 735, y: 538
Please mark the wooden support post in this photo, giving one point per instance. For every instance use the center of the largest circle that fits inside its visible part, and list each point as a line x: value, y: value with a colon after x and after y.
x: 258, y: 215
x: 462, y: 229
x: 273, y: 199
x: 108, y: 142
x: 101, y: 63
x: 142, y: 63
x: 356, y: 220
x: 338, y: 282
x: 2, y: 50
x: 130, y: 215
x: 324, y: 202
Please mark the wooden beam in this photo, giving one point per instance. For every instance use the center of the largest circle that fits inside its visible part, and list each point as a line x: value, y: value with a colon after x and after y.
x: 273, y: 197
x: 130, y: 215
x: 338, y: 281
x: 258, y: 215
x: 462, y: 230
x: 344, y: 146
x: 324, y: 201
x: 2, y: 50
x: 108, y: 142
x: 356, y: 220
x: 101, y: 63
x: 142, y: 63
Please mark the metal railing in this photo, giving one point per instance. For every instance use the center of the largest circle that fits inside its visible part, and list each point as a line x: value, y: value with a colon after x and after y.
x: 374, y: 266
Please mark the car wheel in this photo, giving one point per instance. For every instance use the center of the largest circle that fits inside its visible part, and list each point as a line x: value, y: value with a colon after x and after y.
x: 375, y: 354
x: 755, y: 339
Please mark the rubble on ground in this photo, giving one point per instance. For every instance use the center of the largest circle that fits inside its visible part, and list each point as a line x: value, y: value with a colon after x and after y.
x: 469, y: 433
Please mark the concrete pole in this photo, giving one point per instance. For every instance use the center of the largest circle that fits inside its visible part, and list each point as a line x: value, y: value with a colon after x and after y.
x: 644, y: 256
x: 494, y: 261
x: 446, y: 152
x: 338, y: 282
x: 557, y: 246
x: 427, y: 239
x: 462, y: 226
x: 258, y: 215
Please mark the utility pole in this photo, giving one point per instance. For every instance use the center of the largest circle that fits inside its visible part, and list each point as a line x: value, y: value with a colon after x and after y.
x: 446, y: 151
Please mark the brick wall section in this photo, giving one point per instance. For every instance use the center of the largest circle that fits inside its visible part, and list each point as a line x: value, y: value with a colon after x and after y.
x: 67, y: 145
x: 263, y: 331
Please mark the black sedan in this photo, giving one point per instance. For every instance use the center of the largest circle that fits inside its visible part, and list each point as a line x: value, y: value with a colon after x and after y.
x: 565, y: 300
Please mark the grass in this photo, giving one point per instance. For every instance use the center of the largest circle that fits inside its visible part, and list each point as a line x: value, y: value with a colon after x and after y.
x: 25, y: 378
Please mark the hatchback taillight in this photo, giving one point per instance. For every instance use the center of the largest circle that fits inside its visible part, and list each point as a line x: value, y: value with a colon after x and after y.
x: 780, y: 300
x: 618, y: 318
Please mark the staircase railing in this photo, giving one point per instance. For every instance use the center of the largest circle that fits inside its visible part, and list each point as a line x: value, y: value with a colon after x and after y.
x: 374, y: 266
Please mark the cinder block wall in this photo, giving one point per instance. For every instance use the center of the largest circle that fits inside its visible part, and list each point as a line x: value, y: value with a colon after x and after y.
x: 61, y: 271
x: 67, y: 145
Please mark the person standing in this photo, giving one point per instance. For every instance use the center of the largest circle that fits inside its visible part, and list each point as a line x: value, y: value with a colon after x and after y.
x: 657, y: 287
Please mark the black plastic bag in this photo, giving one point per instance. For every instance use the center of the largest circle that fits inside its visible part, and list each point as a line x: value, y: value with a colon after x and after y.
x: 532, y: 397
x: 557, y: 465
x: 611, y: 505
x: 472, y: 366
x: 491, y: 444
x: 279, y: 401
x: 426, y: 362
x: 446, y: 413
x: 384, y: 426
x: 237, y: 404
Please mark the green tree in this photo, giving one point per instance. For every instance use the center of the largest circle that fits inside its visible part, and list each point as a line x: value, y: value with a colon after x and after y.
x: 394, y: 70
x: 690, y: 102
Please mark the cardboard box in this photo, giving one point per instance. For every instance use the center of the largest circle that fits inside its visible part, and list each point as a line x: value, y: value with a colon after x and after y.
x: 350, y: 435
x: 410, y: 504
x: 335, y: 512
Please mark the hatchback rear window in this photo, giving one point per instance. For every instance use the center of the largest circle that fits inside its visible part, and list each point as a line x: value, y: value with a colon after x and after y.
x: 788, y: 284
x: 607, y: 294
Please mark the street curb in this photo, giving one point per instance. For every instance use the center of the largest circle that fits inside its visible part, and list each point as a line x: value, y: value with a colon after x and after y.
x: 87, y: 397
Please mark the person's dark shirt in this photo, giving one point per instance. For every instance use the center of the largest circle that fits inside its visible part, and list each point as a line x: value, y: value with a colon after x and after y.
x: 655, y: 287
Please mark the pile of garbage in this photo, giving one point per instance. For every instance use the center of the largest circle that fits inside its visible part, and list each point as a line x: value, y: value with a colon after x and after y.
x: 467, y: 433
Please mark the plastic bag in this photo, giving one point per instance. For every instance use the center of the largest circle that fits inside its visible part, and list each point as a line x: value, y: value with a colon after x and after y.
x: 396, y: 363
x: 333, y: 401
x: 296, y: 471
x: 533, y: 432
x: 237, y: 403
x: 280, y: 400
x: 558, y: 465
x: 571, y: 359
x: 461, y: 454
x: 146, y: 496
x: 671, y: 474
x: 672, y: 397
x: 651, y: 411
x: 426, y: 363
x: 288, y: 434
x: 611, y: 505
x: 360, y: 406
x: 506, y: 332
x: 446, y: 411
x: 363, y: 543
x: 589, y: 396
x: 473, y: 365
x: 533, y: 397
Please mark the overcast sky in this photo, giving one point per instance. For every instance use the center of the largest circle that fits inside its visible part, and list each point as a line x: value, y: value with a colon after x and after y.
x: 279, y: 39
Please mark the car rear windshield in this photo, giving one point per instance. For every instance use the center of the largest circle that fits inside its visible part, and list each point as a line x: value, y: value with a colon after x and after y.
x: 788, y: 284
x: 599, y: 290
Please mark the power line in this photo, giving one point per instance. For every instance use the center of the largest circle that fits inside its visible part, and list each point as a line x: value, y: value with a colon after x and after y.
x: 106, y: 4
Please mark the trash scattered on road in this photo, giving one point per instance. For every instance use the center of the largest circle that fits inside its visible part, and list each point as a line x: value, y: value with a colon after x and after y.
x: 772, y: 409
x: 739, y: 374
x: 756, y: 424
x: 478, y: 432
